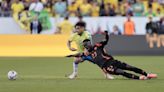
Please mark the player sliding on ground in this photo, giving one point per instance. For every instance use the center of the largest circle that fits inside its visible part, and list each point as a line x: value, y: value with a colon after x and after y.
x: 97, y: 55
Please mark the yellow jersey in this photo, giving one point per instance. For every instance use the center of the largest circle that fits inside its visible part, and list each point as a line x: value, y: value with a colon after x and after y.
x: 95, y: 11
x: 79, y: 2
x: 17, y: 7
x: 72, y: 10
x: 112, y: 2
x: 157, y: 6
x: 79, y: 40
x: 72, y: 7
x: 85, y: 8
x: 66, y: 27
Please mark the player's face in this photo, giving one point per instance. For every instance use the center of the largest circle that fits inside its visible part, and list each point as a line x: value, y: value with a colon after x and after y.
x: 79, y: 29
x: 150, y: 19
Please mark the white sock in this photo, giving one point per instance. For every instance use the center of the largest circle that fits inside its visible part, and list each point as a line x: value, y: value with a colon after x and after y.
x: 75, y: 68
x: 109, y: 76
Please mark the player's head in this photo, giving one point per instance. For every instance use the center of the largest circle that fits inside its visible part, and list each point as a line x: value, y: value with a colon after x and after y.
x: 66, y: 18
x: 17, y: 1
x: 80, y: 27
x: 150, y: 18
x: 88, y: 45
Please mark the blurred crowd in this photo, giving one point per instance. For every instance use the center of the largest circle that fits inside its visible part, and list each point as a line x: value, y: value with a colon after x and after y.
x: 94, y: 8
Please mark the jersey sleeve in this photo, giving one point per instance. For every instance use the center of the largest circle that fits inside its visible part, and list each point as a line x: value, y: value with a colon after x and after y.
x: 88, y: 36
x: 104, y: 42
x: 72, y: 37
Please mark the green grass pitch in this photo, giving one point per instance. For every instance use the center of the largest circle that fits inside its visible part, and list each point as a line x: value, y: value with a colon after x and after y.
x: 48, y: 75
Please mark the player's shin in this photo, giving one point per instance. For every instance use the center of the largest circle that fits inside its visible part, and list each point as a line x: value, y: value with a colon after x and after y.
x: 131, y: 76
x: 75, y: 67
x: 136, y: 70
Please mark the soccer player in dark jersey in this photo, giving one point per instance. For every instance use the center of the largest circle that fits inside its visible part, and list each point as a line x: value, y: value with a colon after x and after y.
x: 97, y: 55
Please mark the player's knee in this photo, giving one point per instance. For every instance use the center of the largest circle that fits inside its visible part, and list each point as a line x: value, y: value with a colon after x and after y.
x: 78, y: 60
x: 119, y: 72
x: 109, y: 69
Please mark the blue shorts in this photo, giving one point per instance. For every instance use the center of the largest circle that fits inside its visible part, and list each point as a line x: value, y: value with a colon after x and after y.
x: 88, y: 58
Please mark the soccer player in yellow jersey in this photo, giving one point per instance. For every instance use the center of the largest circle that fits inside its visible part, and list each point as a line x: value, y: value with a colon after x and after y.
x: 78, y: 37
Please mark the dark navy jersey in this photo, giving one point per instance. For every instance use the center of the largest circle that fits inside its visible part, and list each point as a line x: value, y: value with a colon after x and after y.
x: 98, y: 55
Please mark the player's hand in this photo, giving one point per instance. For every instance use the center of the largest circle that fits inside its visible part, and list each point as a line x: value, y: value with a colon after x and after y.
x: 73, y: 49
x: 105, y: 32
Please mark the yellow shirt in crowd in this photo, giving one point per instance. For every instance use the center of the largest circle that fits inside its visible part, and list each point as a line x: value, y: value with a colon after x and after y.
x: 72, y: 9
x: 17, y: 7
x: 79, y: 2
x: 113, y: 2
x: 66, y: 27
x: 95, y: 11
x: 145, y: 6
x: 156, y: 6
x: 85, y: 8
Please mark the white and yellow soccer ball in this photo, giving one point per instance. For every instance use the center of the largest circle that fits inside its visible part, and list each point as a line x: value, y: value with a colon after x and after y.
x: 12, y: 75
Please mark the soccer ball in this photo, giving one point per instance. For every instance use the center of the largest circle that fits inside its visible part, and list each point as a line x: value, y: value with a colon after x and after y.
x: 12, y: 75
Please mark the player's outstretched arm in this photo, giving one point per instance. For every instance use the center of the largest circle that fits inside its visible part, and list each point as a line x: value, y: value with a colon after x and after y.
x: 75, y: 55
x: 106, y: 38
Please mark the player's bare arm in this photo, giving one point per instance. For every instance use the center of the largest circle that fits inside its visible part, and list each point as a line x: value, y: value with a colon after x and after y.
x: 70, y: 46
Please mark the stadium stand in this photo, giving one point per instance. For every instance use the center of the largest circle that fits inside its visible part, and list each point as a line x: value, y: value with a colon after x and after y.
x: 75, y: 7
x: 24, y: 11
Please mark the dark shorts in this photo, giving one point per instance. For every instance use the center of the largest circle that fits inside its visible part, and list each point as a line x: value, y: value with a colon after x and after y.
x: 88, y: 58
x: 112, y: 65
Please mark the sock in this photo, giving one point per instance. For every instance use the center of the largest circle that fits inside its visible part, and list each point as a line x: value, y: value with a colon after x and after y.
x: 144, y: 73
x: 132, y: 76
x: 137, y: 70
x: 75, y: 67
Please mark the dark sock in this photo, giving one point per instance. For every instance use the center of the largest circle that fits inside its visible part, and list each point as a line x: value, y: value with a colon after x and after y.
x: 136, y: 70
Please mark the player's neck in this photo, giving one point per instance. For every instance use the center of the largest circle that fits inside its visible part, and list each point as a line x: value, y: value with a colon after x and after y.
x: 80, y: 33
